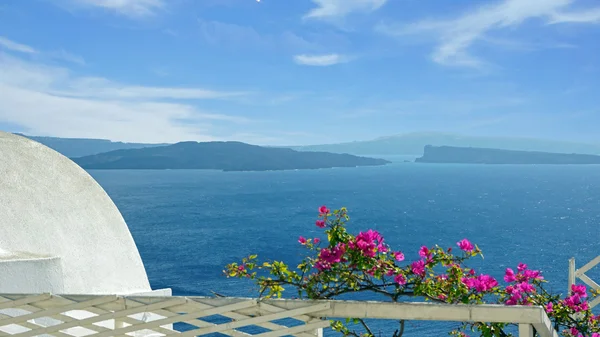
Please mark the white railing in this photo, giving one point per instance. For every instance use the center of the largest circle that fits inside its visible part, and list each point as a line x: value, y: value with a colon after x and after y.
x: 580, y: 274
x: 23, y: 315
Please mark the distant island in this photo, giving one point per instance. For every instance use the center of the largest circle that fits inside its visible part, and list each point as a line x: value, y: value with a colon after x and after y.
x: 472, y: 155
x: 413, y: 143
x: 403, y: 144
x: 79, y: 147
x: 226, y: 156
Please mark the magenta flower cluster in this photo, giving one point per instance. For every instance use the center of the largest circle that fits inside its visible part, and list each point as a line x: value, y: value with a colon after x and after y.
x: 369, y: 243
x: 575, y: 302
x: 345, y: 255
x: 327, y: 257
x: 482, y: 283
x: 521, y: 285
x: 575, y: 333
x: 465, y: 245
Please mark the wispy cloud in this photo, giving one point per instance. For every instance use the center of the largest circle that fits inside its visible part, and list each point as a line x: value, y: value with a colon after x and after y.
x: 66, y: 56
x: 51, y: 100
x: 61, y: 54
x: 93, y: 87
x: 589, y: 16
x: 339, y: 8
x: 320, y: 60
x: 130, y: 8
x: 246, y: 37
x: 457, y: 35
x: 14, y: 46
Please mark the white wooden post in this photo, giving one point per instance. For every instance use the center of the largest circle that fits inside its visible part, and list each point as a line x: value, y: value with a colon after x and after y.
x: 571, y: 274
x: 119, y: 324
x: 319, y: 332
x: 580, y: 274
x: 525, y: 330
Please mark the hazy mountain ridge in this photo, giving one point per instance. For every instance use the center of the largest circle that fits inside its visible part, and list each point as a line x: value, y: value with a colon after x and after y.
x: 226, y: 156
x: 413, y: 144
x: 79, y: 147
x: 473, y: 155
x: 404, y: 144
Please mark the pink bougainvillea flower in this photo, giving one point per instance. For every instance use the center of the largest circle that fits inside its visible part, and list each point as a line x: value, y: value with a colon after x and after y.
x: 323, y: 210
x: 321, y: 266
x: 579, y: 290
x: 400, y: 279
x: 509, y: 275
x: 399, y: 256
x: 549, y: 307
x: 302, y: 240
x: 486, y: 283
x: 369, y: 243
x: 521, y: 267
x: 418, y: 268
x: 575, y: 303
x: 532, y: 275
x: 465, y: 245
x: 241, y: 268
x: 526, y: 287
x: 514, y: 299
x: 316, y: 241
x: 424, y: 251
x: 327, y: 256
x: 320, y: 223
x: 389, y: 272
x: 482, y: 283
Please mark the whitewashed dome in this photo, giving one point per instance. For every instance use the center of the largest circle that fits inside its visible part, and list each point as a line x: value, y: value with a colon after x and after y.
x: 59, y: 230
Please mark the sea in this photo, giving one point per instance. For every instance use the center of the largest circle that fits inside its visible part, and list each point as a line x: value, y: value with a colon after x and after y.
x: 188, y: 224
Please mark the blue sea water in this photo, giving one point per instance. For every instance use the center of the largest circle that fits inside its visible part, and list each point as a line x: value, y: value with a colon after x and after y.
x: 189, y: 224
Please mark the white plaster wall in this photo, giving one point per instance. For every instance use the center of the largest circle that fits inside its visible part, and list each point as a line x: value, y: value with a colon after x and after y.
x: 41, y: 275
x: 50, y: 206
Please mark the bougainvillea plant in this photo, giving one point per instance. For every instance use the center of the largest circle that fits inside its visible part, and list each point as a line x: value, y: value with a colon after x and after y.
x: 348, y: 263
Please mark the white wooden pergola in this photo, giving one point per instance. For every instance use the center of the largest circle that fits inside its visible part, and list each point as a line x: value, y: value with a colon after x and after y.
x: 575, y: 274
x: 26, y: 315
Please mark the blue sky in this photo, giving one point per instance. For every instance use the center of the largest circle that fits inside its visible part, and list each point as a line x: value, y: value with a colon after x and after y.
x: 299, y: 71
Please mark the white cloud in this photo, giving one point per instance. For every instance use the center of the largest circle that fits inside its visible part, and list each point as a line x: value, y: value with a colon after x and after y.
x: 131, y: 8
x: 457, y: 35
x: 66, y: 56
x: 340, y: 8
x: 246, y: 37
x: 10, y: 45
x: 48, y: 100
x: 590, y: 16
x: 320, y: 60
x: 103, y: 88
x: 14, y: 46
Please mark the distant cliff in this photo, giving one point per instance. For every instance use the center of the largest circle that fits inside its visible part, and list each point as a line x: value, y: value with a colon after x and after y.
x: 413, y: 143
x: 227, y: 156
x: 78, y: 147
x: 471, y: 155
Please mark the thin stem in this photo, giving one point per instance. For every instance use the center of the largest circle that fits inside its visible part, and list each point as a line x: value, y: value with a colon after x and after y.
x: 399, y: 332
x: 366, y: 327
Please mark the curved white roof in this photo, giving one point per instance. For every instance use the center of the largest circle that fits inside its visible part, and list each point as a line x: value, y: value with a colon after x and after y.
x: 50, y: 206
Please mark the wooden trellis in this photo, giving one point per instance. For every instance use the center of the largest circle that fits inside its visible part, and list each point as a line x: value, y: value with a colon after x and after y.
x: 575, y: 274
x: 27, y: 315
